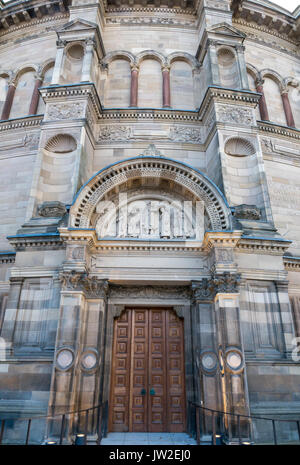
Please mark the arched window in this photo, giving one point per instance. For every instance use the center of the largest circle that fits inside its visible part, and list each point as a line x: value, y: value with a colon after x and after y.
x: 150, y: 84
x: 23, y: 94
x: 228, y: 68
x: 182, y: 86
x: 117, y: 85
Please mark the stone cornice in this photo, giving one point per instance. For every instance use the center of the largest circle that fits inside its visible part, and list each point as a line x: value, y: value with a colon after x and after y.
x: 223, y: 95
x: 265, y: 246
x: 57, y: 93
x: 19, y: 123
x: 214, y: 239
x: 147, y: 114
x: 276, y: 129
x: 16, y: 15
x: 7, y: 257
x: 292, y: 263
x: 272, y: 18
x: 36, y: 241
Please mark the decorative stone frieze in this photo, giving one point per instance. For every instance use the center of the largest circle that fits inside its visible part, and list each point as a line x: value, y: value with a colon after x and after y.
x: 154, y: 292
x: 65, y: 111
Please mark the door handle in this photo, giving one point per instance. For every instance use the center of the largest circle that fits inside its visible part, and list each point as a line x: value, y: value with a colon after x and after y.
x: 143, y: 391
x: 152, y: 392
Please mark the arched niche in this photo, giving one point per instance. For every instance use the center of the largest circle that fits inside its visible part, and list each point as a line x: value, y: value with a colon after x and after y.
x: 117, y: 84
x: 150, y: 84
x: 56, y: 182
x: 273, y: 99
x: 72, y: 63
x: 150, y: 178
x: 182, y: 85
x: 47, y: 78
x: 228, y: 68
x: 3, y: 90
x: 25, y: 83
x: 244, y: 176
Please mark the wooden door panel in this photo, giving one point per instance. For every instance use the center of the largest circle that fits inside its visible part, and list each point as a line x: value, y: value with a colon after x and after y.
x: 139, y: 376
x: 148, y: 392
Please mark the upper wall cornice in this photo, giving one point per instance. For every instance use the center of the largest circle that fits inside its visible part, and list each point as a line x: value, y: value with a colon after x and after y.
x: 268, y: 16
x: 17, y: 13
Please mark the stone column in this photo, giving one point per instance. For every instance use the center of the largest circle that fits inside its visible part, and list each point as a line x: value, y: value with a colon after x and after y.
x: 166, y: 87
x: 134, y: 86
x: 78, y: 350
x: 35, y: 96
x: 242, y: 67
x: 206, y: 370
x: 231, y: 354
x: 8, y: 101
x: 87, y: 61
x: 214, y: 66
x: 287, y: 109
x: 262, y: 103
x: 58, y: 62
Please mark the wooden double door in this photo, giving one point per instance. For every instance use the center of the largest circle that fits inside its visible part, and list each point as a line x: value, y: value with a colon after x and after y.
x: 148, y: 382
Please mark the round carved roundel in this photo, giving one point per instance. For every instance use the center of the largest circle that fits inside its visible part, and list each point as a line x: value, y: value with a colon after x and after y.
x: 234, y: 360
x: 89, y: 360
x: 64, y: 359
x: 209, y: 361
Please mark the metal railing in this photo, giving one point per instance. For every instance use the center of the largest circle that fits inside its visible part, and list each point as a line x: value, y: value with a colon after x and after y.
x: 65, y: 428
x: 220, y: 428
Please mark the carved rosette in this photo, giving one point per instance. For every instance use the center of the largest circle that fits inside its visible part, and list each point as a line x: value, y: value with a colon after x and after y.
x: 92, y: 286
x: 223, y: 283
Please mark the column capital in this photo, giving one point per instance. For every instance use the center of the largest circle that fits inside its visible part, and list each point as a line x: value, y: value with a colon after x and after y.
x: 134, y: 67
x: 165, y: 68
x: 219, y: 283
x: 91, y: 286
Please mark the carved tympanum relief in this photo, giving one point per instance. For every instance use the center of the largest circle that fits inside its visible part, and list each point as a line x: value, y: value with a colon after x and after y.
x: 147, y: 216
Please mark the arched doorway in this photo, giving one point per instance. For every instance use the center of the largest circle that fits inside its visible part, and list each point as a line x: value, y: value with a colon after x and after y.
x: 147, y: 381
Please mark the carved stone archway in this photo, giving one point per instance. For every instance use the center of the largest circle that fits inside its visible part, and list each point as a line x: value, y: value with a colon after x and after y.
x: 143, y: 167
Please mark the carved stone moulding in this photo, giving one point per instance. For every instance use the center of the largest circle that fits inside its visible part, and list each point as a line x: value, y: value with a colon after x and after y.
x: 151, y: 292
x: 53, y: 209
x: 247, y: 212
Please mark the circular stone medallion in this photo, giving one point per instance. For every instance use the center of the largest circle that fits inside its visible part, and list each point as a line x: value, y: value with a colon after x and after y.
x: 65, y: 358
x: 209, y: 361
x: 234, y: 360
x: 89, y: 360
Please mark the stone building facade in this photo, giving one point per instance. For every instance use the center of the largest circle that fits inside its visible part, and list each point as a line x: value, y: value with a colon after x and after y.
x: 150, y: 210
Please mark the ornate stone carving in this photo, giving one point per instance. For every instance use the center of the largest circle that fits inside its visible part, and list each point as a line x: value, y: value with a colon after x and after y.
x: 223, y: 283
x: 203, y: 290
x: 186, y: 134
x: 226, y: 282
x: 78, y: 253
x: 52, y: 209
x: 233, y: 114
x: 92, y: 286
x: 65, y: 111
x: 151, y: 292
x: 151, y: 151
x: 108, y: 133
x: 247, y: 212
